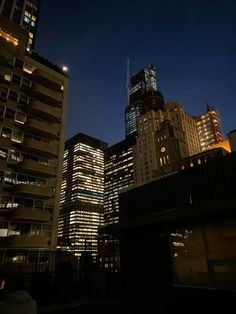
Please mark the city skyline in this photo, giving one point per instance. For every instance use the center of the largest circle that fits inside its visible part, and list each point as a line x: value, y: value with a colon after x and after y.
x: 190, y: 43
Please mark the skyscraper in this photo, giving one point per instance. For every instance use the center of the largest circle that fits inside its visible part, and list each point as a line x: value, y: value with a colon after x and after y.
x: 82, y: 194
x: 209, y: 128
x: 185, y: 122
x: 143, y: 96
x: 119, y: 174
x: 24, y: 13
x: 33, y: 100
x: 160, y: 146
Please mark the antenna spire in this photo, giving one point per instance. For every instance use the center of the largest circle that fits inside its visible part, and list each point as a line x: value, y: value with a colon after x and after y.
x: 127, y: 79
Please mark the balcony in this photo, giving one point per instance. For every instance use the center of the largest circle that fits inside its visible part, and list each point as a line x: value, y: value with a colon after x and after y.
x: 43, y: 129
x: 29, y: 214
x: 46, y: 79
x: 44, y: 111
x: 35, y: 168
x: 39, y: 148
x: 34, y: 191
x: 17, y: 241
x: 46, y: 95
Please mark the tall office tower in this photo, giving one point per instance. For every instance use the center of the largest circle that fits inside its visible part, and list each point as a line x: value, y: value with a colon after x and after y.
x: 24, y: 13
x: 160, y: 146
x: 183, y: 121
x: 143, y: 96
x: 118, y: 176
x: 33, y: 100
x: 82, y: 195
x: 145, y: 161
x: 209, y: 128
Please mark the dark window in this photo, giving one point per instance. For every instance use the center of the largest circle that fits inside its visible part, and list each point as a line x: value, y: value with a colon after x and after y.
x: 17, y: 16
x: 13, y: 95
x: 16, y: 79
x: 19, y: 63
x: 10, y: 113
x: 29, y: 203
x: 23, y: 99
x: 2, y: 109
x: 7, y: 8
x: 1, y: 176
x: 26, y: 83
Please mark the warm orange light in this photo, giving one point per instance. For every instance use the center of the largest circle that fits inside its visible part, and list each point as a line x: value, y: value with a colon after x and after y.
x: 224, y: 144
x: 9, y: 37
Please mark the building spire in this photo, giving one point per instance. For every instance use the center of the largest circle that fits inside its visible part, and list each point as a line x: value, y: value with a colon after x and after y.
x: 128, y: 79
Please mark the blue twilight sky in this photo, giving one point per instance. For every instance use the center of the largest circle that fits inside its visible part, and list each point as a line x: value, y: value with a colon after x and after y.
x: 191, y: 42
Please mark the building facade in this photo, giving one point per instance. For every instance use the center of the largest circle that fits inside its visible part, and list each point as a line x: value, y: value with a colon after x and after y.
x: 189, y: 219
x: 119, y: 174
x: 232, y: 140
x: 209, y: 128
x: 33, y: 101
x: 25, y: 13
x: 145, y: 159
x: 185, y: 122
x: 82, y: 195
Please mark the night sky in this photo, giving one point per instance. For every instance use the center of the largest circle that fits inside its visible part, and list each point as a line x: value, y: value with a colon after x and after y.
x: 192, y: 43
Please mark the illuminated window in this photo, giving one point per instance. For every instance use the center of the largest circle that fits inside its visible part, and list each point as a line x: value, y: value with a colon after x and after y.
x: 9, y: 37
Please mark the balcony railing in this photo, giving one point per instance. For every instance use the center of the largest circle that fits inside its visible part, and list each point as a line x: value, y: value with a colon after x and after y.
x: 34, y: 191
x: 18, y: 241
x: 44, y: 111
x: 46, y: 95
x: 24, y: 213
x: 39, y: 148
x: 43, y: 129
x: 35, y: 168
x: 46, y: 79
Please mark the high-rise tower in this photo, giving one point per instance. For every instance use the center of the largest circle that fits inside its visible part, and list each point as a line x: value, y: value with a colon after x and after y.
x: 33, y: 100
x: 82, y: 194
x: 25, y: 13
x: 209, y: 128
x: 143, y: 96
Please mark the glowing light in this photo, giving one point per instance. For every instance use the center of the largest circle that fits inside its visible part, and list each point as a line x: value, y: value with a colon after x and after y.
x: 65, y: 68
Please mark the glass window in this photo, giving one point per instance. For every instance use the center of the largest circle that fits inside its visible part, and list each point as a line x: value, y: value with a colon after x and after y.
x: 7, y: 201
x: 26, y: 83
x: 6, y: 132
x: 23, y: 99
x: 3, y: 153
x: 36, y: 229
x: 14, y: 156
x: 29, y: 203
x: 10, y: 113
x: 13, y: 95
x: 2, y: 110
x: 19, y: 63
x: 10, y: 178
x: 3, y: 92
x: 1, y: 176
x: 17, y: 136
x: 20, y: 202
x: 20, y: 117
x: 39, y: 205
x: 46, y: 230
x: 16, y: 79
x: 25, y: 229
x: 3, y: 228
